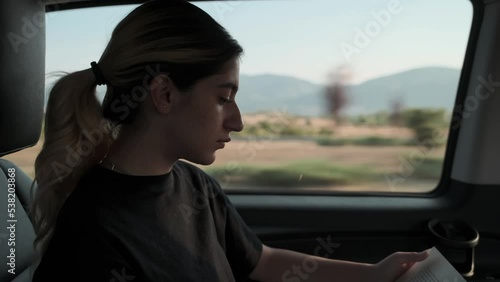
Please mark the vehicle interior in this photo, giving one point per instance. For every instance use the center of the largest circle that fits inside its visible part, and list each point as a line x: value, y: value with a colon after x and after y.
x: 459, y: 212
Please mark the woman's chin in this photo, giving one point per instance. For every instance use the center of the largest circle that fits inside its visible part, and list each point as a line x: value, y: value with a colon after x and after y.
x: 205, y: 160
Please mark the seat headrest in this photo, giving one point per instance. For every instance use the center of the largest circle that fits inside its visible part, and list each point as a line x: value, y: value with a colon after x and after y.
x: 22, y: 81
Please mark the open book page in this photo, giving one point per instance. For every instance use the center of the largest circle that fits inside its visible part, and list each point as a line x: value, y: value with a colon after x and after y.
x: 434, y: 269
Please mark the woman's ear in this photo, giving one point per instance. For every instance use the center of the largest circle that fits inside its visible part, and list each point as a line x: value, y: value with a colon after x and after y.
x: 161, y: 89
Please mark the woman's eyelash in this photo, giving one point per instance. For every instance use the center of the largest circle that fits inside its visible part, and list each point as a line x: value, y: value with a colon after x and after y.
x: 225, y: 100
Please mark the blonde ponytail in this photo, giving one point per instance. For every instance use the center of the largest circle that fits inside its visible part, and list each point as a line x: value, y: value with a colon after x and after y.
x: 76, y: 138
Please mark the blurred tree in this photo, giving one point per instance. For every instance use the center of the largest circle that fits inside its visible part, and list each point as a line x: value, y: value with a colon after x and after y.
x: 396, y: 117
x: 336, y: 96
x: 425, y: 122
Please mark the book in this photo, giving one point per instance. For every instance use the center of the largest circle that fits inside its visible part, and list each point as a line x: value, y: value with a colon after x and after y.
x: 435, y: 268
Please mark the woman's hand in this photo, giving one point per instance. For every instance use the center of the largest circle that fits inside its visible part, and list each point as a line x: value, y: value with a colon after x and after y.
x: 395, y: 265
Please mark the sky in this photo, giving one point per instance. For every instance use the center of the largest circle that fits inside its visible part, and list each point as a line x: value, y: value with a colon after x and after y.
x: 306, y: 39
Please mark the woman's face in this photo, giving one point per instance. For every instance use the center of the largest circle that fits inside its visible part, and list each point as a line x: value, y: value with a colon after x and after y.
x: 207, y: 116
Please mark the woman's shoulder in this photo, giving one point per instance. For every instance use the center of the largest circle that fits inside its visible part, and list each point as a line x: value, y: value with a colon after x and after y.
x: 197, y: 177
x: 190, y: 169
x: 184, y: 165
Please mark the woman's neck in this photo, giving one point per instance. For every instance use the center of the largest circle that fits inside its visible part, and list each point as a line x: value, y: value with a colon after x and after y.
x: 137, y: 154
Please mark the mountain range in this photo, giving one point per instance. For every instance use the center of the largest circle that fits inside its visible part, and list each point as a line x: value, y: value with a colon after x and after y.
x: 430, y: 87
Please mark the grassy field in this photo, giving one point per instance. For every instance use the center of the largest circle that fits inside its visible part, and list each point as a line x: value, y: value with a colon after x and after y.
x: 295, y: 163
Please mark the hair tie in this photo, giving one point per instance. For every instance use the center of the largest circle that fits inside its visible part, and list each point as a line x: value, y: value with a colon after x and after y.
x: 99, y: 78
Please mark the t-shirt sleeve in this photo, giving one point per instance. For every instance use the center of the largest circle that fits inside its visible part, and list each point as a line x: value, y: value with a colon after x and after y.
x: 243, y: 247
x: 83, y: 254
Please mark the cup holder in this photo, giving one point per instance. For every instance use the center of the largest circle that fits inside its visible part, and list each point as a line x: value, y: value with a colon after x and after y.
x: 456, y: 238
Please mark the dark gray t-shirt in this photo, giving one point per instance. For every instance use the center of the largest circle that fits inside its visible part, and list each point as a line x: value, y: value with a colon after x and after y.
x: 178, y: 226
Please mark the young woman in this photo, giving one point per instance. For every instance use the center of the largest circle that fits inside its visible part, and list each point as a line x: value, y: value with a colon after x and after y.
x: 115, y: 203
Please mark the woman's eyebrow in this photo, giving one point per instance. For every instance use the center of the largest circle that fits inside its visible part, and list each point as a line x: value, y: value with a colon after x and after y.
x: 230, y: 85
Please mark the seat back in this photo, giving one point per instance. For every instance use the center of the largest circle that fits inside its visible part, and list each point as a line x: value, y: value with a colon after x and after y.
x: 16, y: 229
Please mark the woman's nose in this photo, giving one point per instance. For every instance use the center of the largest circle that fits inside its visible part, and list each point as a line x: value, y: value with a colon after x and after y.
x: 233, y: 121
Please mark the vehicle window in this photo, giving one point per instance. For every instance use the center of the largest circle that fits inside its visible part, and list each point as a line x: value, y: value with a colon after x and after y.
x: 334, y: 95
